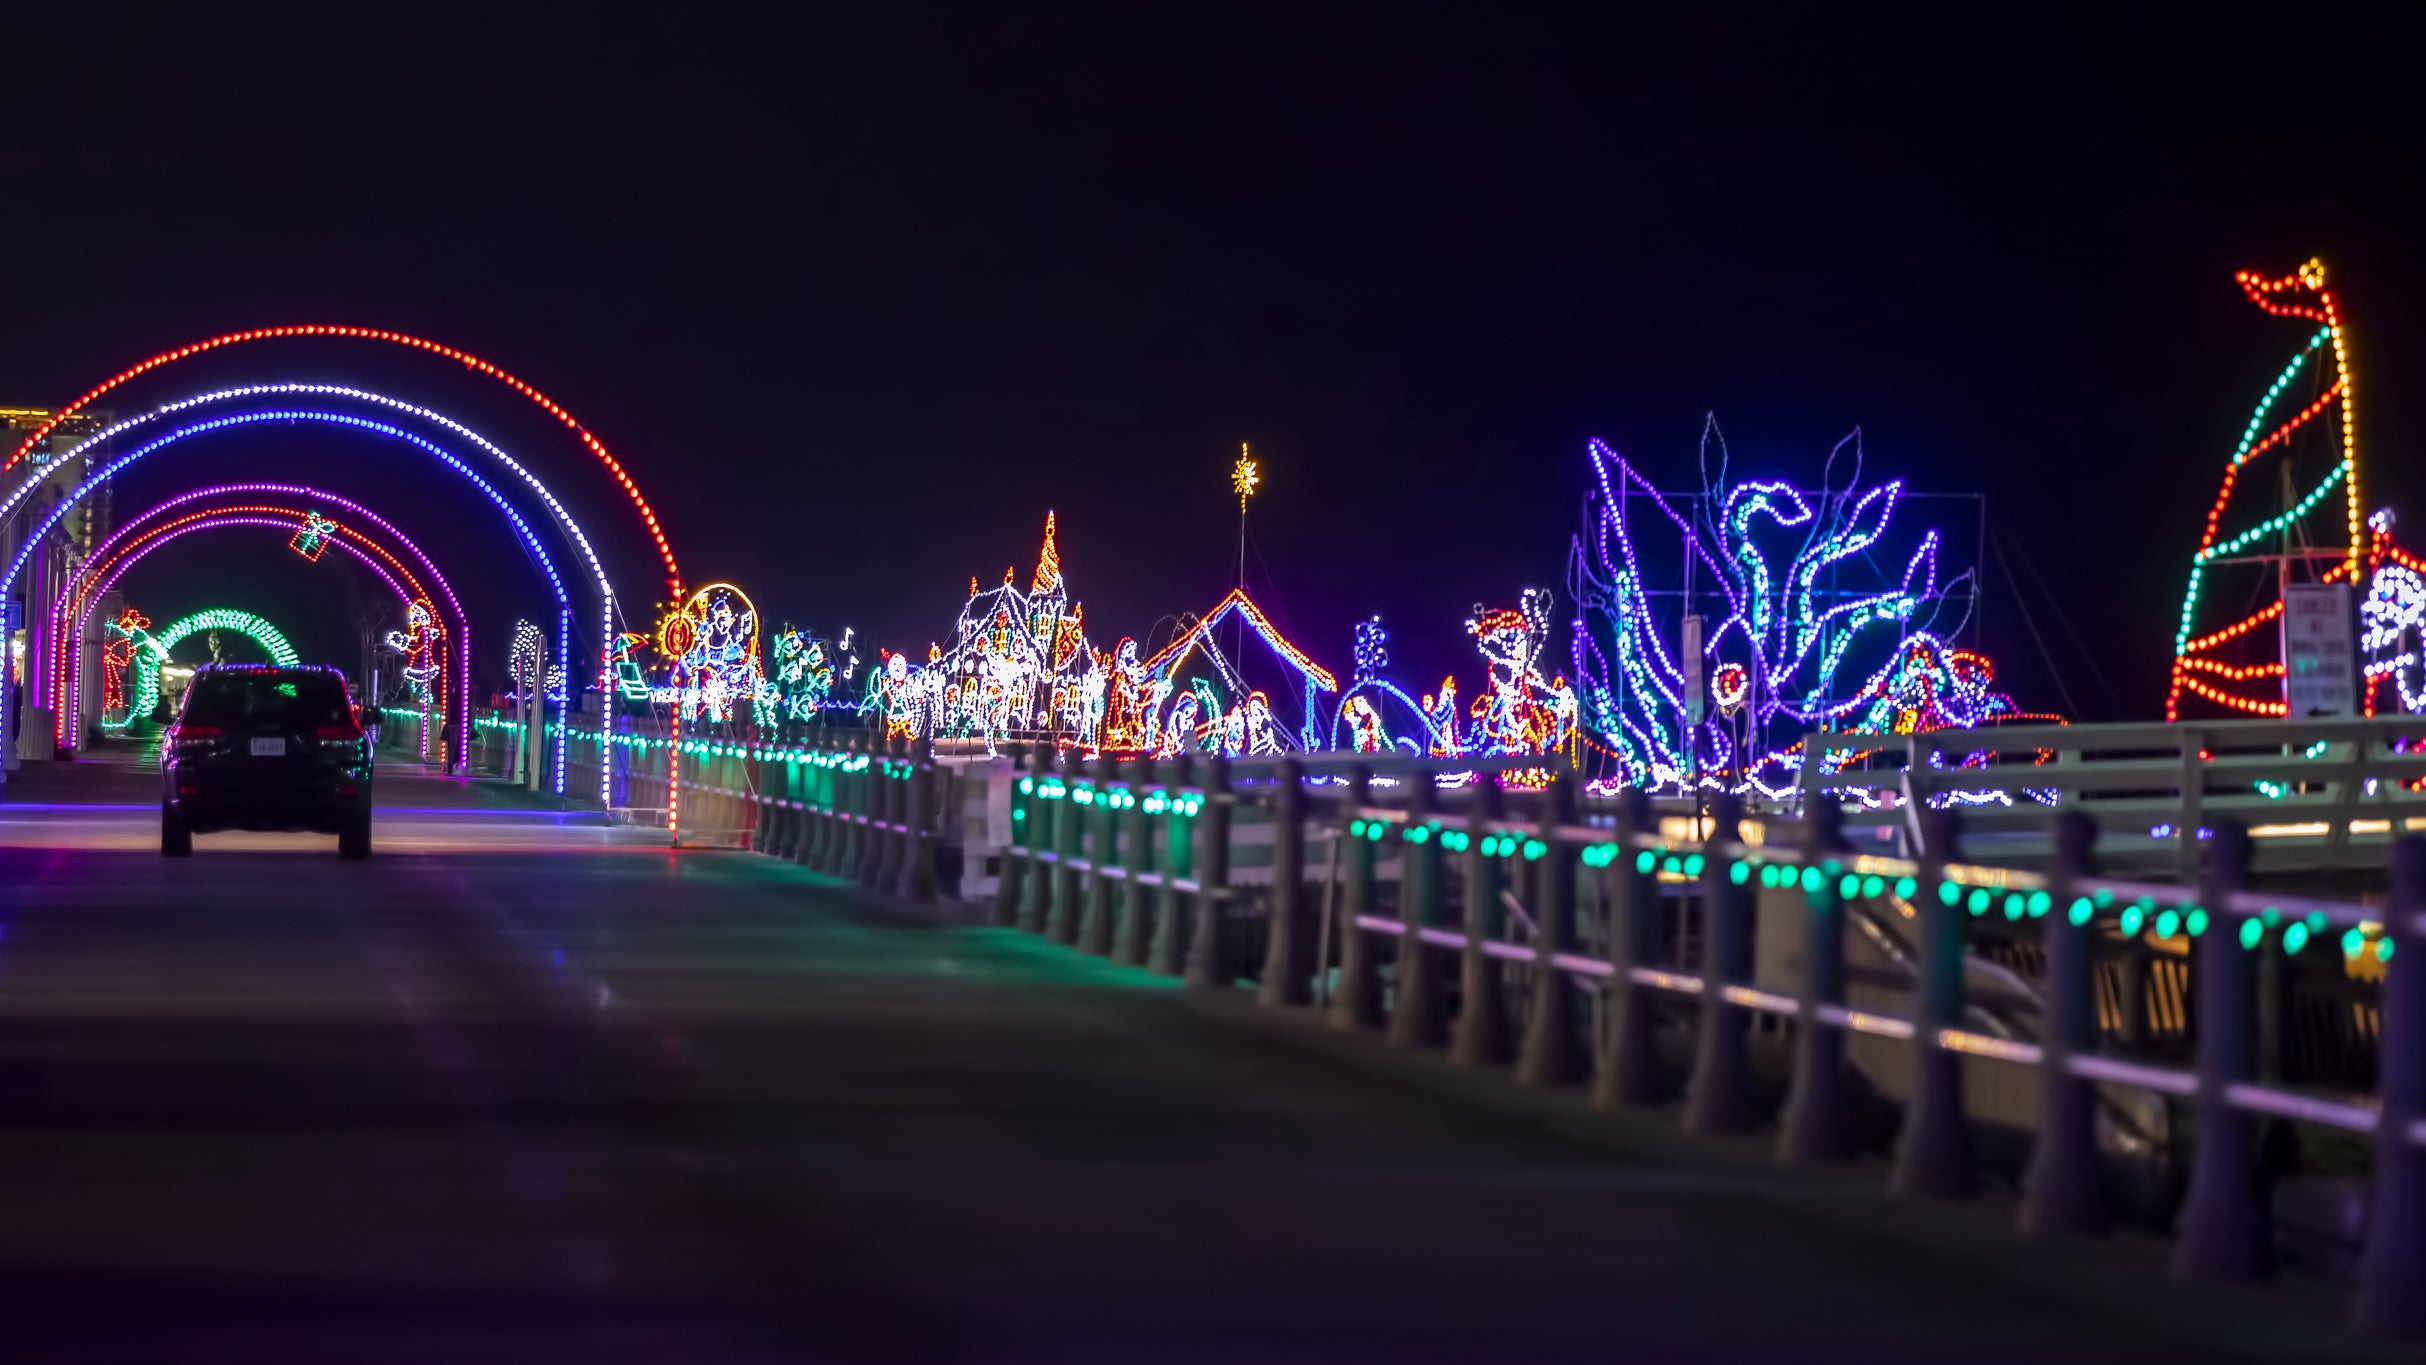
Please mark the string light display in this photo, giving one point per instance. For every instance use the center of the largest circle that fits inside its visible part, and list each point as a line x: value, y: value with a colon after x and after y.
x: 2200, y: 669
x: 176, y: 515
x: 1777, y: 659
x: 148, y: 651
x: 555, y: 506
x: 469, y: 361
x: 522, y: 528
x: 711, y: 646
x: 313, y: 537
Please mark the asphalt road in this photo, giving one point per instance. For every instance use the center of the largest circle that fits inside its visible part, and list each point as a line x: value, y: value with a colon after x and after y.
x: 523, y: 1088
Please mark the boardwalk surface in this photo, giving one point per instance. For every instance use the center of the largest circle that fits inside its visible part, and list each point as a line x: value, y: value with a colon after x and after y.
x: 527, y: 1089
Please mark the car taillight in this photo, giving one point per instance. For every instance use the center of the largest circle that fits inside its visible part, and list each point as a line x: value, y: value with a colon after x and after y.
x: 186, y: 732
x: 337, y: 732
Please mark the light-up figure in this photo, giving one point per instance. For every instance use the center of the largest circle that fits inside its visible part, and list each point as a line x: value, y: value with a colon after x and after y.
x: 118, y: 654
x: 2290, y: 498
x: 1769, y: 561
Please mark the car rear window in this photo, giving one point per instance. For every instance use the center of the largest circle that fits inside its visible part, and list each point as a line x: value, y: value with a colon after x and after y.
x: 288, y: 700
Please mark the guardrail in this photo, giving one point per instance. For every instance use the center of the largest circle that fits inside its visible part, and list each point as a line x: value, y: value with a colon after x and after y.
x: 1654, y: 923
x: 2334, y: 789
x: 1133, y: 861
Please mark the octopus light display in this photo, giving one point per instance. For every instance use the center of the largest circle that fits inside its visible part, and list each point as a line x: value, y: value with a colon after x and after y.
x: 2298, y: 454
x: 1788, y: 631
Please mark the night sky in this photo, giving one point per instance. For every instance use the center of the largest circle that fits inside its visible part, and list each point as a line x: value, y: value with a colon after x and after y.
x: 858, y: 299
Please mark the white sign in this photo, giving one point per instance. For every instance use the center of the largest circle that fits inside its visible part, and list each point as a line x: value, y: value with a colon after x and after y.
x: 1696, y: 695
x: 2320, y: 651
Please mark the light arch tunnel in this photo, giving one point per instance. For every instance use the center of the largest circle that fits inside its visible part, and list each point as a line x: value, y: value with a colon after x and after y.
x: 150, y: 653
x: 244, y: 505
x: 141, y: 424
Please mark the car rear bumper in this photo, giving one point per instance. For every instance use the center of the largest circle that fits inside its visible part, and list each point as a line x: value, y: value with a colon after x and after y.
x: 316, y: 802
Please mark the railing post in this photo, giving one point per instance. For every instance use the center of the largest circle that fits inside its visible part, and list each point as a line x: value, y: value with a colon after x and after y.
x: 847, y: 808
x: 1632, y: 1071
x: 1550, y: 1056
x: 1933, y: 1156
x: 1818, y: 1121
x: 2193, y: 792
x: 812, y: 811
x: 1481, y: 1037
x: 1137, y: 896
x: 1358, y: 1002
x: 1095, y: 925
x: 875, y: 802
x: 1013, y: 869
x: 1719, y: 1097
x: 2391, y: 1296
x: 1069, y: 835
x: 1206, y: 965
x: 2063, y: 1193
x: 890, y: 873
x: 918, y: 846
x: 1416, y: 1018
x: 1168, y: 952
x: 2224, y: 1232
x: 1283, y: 980
x: 1044, y: 824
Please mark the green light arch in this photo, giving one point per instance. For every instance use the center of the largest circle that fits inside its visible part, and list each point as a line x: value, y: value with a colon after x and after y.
x: 156, y: 645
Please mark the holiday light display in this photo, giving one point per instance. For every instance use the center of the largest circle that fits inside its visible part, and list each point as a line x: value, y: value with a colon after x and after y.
x: 711, y: 645
x: 1247, y: 723
x: 2392, y: 621
x: 469, y: 361
x: 1782, y: 644
x: 155, y: 527
x: 148, y: 651
x: 607, y: 599
x: 526, y: 659
x: 1520, y: 711
x: 2233, y: 664
x: 1019, y: 663
x: 117, y: 656
x: 421, y: 643
x: 313, y: 537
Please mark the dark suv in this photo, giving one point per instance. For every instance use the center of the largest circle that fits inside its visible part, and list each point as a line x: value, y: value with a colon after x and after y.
x: 256, y: 746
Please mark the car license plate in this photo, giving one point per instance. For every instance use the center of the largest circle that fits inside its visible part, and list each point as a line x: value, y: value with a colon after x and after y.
x: 274, y: 747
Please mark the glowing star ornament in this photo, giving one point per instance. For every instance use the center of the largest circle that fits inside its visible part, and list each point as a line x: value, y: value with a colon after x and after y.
x: 312, y: 540
x: 1245, y: 475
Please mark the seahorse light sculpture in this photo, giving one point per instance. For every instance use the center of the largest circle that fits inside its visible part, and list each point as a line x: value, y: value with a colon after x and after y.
x: 2292, y: 480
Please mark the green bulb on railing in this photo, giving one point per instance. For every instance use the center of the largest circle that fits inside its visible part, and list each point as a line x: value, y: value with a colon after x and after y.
x: 1905, y: 887
x: 2253, y: 931
x: 1949, y: 894
x: 1739, y: 873
x: 1644, y: 861
x: 2168, y: 922
x: 2080, y: 910
x: 2295, y: 937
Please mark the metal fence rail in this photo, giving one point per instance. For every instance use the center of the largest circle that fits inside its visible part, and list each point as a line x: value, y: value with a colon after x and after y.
x: 1520, y: 930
